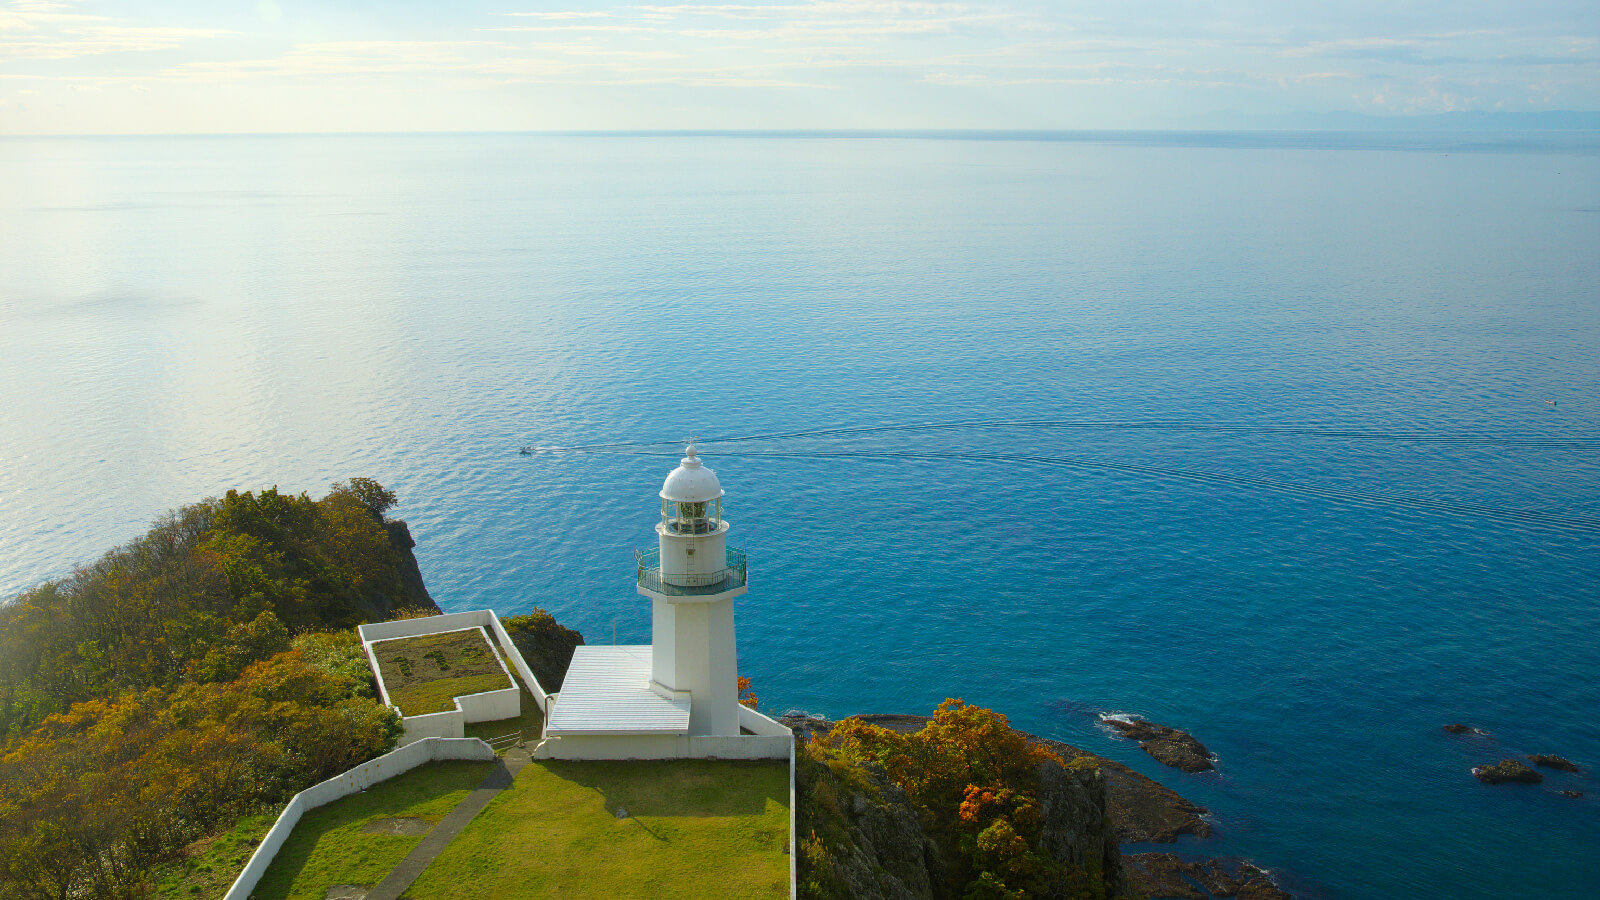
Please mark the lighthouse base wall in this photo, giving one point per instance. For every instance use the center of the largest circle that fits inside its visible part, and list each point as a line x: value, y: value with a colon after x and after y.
x: 665, y: 746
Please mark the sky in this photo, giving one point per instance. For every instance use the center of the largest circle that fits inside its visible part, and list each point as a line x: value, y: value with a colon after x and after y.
x: 219, y: 66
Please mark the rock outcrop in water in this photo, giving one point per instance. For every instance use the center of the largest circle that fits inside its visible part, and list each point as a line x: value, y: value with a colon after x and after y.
x: 1142, y: 810
x: 1459, y: 728
x: 1170, y: 746
x: 1507, y: 770
x: 1163, y: 875
x: 1551, y: 761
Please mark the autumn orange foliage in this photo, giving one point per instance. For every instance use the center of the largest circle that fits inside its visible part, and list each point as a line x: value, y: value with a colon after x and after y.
x: 976, y: 782
x: 161, y: 690
x: 93, y: 797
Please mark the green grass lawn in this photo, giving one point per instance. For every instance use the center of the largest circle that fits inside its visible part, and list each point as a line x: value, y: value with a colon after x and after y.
x: 423, y: 674
x: 328, y: 846
x: 208, y: 867
x: 439, y: 696
x: 695, y: 829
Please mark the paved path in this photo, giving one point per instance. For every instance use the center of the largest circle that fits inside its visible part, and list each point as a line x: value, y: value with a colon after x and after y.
x: 401, y: 877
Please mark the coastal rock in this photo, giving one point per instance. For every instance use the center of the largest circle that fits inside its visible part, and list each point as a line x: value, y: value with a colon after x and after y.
x: 1215, y: 879
x: 1142, y: 810
x: 805, y: 725
x: 1551, y: 761
x: 1507, y: 770
x: 1459, y: 728
x: 1257, y: 884
x: 1170, y: 746
x: 1161, y: 876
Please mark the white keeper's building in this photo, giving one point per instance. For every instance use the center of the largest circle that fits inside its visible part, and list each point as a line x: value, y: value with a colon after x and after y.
x: 678, y: 696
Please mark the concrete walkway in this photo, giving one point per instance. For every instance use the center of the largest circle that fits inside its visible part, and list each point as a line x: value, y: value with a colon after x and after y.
x: 410, y: 868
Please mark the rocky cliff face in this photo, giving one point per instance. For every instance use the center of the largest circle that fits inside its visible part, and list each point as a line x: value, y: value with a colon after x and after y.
x: 416, y: 596
x: 1075, y: 803
x: 861, y: 836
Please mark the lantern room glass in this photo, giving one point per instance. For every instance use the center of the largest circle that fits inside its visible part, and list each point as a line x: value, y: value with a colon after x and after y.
x: 691, y: 517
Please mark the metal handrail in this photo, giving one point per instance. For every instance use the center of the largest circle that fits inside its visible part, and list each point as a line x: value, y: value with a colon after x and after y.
x: 733, y: 575
x: 504, y: 742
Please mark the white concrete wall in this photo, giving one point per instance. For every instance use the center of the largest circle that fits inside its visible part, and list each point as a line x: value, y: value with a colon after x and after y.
x: 387, y: 766
x: 491, y: 706
x: 488, y: 706
x: 664, y: 746
x: 621, y: 746
x: 743, y: 746
x: 693, y: 559
x: 447, y: 724
x: 694, y: 650
x: 794, y: 834
x: 720, y: 695
x: 760, y: 724
x: 377, y: 631
x: 517, y: 662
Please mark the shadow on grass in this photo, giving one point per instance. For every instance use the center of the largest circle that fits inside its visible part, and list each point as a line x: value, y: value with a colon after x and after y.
x: 681, y: 787
x: 530, y: 724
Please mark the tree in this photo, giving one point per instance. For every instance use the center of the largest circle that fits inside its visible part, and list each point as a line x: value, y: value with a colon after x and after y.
x: 374, y: 497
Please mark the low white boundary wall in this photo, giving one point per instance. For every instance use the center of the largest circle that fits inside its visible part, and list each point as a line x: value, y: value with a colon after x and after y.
x: 485, y: 707
x: 663, y: 746
x: 756, y: 723
x: 794, y: 834
x: 771, y: 740
x: 387, y: 766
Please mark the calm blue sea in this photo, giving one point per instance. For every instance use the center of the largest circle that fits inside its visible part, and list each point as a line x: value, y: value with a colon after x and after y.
x: 181, y: 316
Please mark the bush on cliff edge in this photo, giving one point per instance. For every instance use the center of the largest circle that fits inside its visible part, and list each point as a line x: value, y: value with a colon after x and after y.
x: 973, y: 786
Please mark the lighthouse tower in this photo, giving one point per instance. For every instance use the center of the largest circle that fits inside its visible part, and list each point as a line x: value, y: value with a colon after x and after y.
x: 691, y: 578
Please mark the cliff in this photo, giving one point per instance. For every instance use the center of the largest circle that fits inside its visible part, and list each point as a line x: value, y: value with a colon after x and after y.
x: 862, y: 835
x: 416, y: 592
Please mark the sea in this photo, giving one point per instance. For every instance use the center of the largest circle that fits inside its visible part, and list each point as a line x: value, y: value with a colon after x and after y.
x: 1291, y: 440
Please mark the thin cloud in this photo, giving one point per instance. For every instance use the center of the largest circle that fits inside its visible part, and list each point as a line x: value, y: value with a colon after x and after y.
x: 562, y: 15
x: 36, y: 29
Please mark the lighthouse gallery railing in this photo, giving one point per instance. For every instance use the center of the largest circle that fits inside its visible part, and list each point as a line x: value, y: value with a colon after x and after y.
x: 650, y: 575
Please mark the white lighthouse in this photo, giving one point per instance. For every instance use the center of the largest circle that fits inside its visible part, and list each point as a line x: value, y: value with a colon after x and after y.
x: 677, y: 696
x: 691, y: 578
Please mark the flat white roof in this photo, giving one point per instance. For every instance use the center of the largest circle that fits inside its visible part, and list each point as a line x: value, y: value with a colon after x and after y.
x: 607, y: 691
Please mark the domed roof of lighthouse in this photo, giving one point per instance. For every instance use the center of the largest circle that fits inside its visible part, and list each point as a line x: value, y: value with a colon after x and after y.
x: 691, y: 481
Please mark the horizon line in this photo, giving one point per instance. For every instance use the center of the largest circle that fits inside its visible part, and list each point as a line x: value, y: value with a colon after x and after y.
x: 957, y: 133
